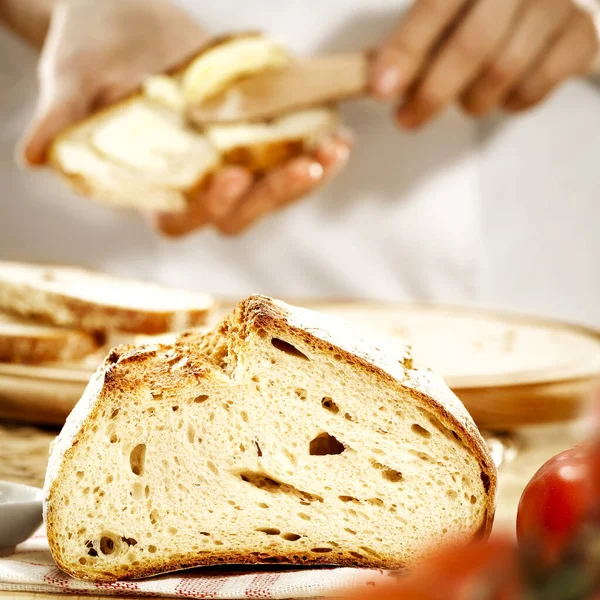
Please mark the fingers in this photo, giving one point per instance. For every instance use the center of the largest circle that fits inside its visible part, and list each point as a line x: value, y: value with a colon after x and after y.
x: 397, y: 63
x: 571, y: 54
x: 540, y: 23
x: 459, y: 60
x: 275, y: 190
x: 211, y: 205
x: 290, y: 182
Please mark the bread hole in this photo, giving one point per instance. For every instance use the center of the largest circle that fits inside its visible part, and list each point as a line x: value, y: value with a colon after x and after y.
x: 200, y: 398
x: 337, y: 357
x: 137, y: 458
x: 351, y: 531
x: 304, y: 516
x: 129, y: 541
x: 86, y: 490
x: 357, y: 555
x: 301, y: 393
x: 375, y: 501
x: 79, y: 474
x: 151, y: 411
x: 212, y: 467
x: 191, y: 434
x: 485, y: 478
x: 263, y: 505
x: 421, y: 431
x: 211, y: 416
x: 156, y: 394
x: 147, y: 491
x: 109, y: 479
x: 258, y: 450
x: 114, y: 413
x: 422, y: 456
x: 261, y: 333
x: 348, y: 499
x: 325, y: 444
x: 321, y: 550
x: 244, y: 416
x: 152, y: 549
x: 392, y: 475
x: 370, y: 551
x: 138, y: 491
x: 473, y: 500
x: 264, y: 482
x: 328, y: 404
x: 218, y: 543
x: 113, y: 438
x: 109, y: 544
x: 269, y: 530
x: 174, y: 408
x: 176, y: 459
x: 82, y: 561
x: 172, y: 530
x: 452, y: 494
x: 348, y: 417
x: 286, y: 347
x: 290, y: 537
x: 154, y: 517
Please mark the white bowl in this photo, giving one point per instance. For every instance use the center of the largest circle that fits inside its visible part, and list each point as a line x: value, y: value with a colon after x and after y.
x: 20, y: 512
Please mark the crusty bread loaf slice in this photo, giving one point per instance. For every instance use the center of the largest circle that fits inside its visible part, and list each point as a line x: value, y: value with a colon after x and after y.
x: 71, y: 297
x: 144, y: 153
x: 281, y: 436
x: 24, y: 341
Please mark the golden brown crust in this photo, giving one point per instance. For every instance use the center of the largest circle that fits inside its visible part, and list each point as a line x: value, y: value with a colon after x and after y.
x: 252, y: 315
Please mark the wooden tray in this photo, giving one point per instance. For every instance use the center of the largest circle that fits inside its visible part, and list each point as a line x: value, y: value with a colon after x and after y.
x: 509, y: 370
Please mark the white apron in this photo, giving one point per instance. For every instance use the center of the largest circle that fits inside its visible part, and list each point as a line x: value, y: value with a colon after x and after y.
x: 404, y: 221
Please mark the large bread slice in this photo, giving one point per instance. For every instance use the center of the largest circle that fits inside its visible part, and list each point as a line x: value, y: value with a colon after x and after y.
x: 71, y: 297
x: 24, y: 341
x: 144, y: 153
x: 282, y: 436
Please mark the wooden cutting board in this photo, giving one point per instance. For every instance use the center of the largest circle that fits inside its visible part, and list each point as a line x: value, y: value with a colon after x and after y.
x: 509, y: 370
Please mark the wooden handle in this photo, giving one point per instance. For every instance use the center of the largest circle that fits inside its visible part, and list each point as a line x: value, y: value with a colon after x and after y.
x: 304, y: 84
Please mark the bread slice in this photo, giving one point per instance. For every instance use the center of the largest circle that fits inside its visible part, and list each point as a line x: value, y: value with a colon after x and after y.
x: 144, y: 153
x: 24, y: 341
x: 72, y: 297
x: 280, y: 437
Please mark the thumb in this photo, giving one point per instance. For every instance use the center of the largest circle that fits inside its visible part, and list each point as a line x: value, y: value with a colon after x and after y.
x: 54, y: 113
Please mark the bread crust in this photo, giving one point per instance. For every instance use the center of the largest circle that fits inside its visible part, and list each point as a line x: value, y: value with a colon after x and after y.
x: 254, y: 314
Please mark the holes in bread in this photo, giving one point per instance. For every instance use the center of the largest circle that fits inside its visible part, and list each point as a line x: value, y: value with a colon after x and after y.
x: 114, y: 413
x: 349, y: 417
x: 269, y: 530
x: 110, y: 543
x: 129, y: 541
x: 191, y: 433
x: 113, y: 438
x: 244, y: 416
x: 325, y: 444
x: 485, y: 478
x: 264, y: 482
x: 154, y: 517
x: 321, y: 550
x: 328, y: 404
x: 348, y: 499
x: 370, y: 551
x: 258, y: 450
x: 473, y: 500
x: 212, y: 467
x: 351, y: 531
x: 287, y: 348
x: 301, y: 393
x: 304, y: 516
x: 152, y: 549
x: 290, y: 537
x: 421, y: 431
x: 79, y: 474
x: 422, y: 456
x: 137, y: 459
x: 200, y: 398
x: 392, y: 475
x: 174, y: 408
x: 451, y: 494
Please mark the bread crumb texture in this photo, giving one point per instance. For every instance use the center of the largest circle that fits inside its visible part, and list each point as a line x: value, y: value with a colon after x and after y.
x: 282, y: 436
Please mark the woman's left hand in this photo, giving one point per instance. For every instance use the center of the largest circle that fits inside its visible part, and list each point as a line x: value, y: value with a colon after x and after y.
x: 482, y: 54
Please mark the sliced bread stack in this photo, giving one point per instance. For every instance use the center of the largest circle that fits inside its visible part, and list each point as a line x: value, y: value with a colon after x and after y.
x: 62, y: 314
x: 145, y: 153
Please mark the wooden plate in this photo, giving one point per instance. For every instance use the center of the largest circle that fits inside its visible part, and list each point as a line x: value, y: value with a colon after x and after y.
x: 509, y: 370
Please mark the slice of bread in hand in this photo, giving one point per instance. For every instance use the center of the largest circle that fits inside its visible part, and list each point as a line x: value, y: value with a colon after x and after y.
x: 72, y: 297
x: 144, y: 153
x: 24, y: 341
x: 282, y: 436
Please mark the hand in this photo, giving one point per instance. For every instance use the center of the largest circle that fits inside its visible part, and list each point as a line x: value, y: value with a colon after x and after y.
x: 482, y: 54
x: 98, y: 51
x: 235, y: 199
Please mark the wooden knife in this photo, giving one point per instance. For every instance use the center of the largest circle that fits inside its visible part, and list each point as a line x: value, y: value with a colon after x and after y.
x: 303, y: 84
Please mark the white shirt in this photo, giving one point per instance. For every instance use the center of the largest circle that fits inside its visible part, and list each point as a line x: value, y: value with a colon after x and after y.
x: 462, y: 211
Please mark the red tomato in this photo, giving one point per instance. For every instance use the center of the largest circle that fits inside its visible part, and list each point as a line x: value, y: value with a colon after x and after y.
x: 556, y: 502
